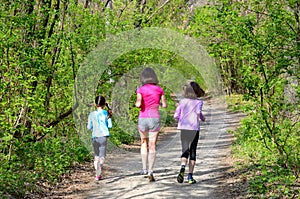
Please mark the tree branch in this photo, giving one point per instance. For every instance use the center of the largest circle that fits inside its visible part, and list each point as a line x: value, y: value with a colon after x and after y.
x: 155, y: 12
x: 59, y: 119
x: 106, y: 4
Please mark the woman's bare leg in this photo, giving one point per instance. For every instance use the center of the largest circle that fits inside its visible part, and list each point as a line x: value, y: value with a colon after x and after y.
x: 144, y: 149
x: 152, y: 150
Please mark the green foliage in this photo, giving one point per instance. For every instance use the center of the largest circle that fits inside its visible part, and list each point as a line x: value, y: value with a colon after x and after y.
x: 278, y: 173
x: 236, y: 102
x: 118, y: 137
x: 35, y: 164
x: 256, y: 46
x: 41, y: 49
x: 273, y: 182
x: 266, y: 179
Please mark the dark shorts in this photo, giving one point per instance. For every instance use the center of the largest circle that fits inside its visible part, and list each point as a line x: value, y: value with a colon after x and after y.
x: 149, y: 124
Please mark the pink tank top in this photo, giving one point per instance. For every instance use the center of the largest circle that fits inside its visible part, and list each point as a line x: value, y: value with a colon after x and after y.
x: 151, y: 95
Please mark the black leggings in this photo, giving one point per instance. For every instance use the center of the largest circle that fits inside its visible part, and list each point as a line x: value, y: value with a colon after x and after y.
x: 189, y: 141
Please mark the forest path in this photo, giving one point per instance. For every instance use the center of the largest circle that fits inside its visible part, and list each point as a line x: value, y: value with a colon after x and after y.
x: 121, y: 178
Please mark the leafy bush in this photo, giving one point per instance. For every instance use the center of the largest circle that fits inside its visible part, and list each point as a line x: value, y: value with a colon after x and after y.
x: 272, y: 175
x: 41, y: 162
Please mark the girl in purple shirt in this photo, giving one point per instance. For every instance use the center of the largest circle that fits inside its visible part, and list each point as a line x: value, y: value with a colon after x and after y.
x: 188, y: 113
x: 148, y: 99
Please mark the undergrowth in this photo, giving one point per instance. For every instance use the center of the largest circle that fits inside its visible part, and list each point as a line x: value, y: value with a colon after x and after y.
x: 267, y: 175
x: 33, y: 165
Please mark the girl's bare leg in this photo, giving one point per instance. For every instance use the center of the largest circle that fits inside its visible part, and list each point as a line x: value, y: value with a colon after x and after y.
x: 191, y: 166
x: 183, y: 161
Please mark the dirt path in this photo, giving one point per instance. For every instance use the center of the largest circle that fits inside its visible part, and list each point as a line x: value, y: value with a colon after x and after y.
x: 121, y: 179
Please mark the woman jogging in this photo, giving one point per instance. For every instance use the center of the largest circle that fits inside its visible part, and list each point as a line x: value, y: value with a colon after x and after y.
x: 148, y: 100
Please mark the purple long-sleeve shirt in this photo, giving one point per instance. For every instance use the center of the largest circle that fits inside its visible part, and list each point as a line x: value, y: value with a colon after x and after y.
x: 188, y: 113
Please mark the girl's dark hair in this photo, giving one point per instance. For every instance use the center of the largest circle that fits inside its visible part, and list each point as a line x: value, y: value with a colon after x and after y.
x: 109, y: 110
x: 148, y: 76
x: 197, y: 89
x: 192, y: 90
x: 101, y: 102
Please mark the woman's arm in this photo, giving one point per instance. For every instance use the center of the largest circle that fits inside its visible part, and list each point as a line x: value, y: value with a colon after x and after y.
x: 138, y: 102
x: 164, y: 102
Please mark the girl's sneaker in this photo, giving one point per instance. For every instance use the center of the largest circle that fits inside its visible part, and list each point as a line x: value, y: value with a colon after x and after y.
x: 192, y: 181
x: 98, y: 178
x: 180, y: 176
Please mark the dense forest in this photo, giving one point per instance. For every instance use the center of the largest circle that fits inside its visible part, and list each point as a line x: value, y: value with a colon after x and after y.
x: 46, y: 44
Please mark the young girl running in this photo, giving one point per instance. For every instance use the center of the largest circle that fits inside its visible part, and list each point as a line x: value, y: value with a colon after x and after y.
x: 99, y: 121
x: 188, y: 113
x: 148, y: 99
